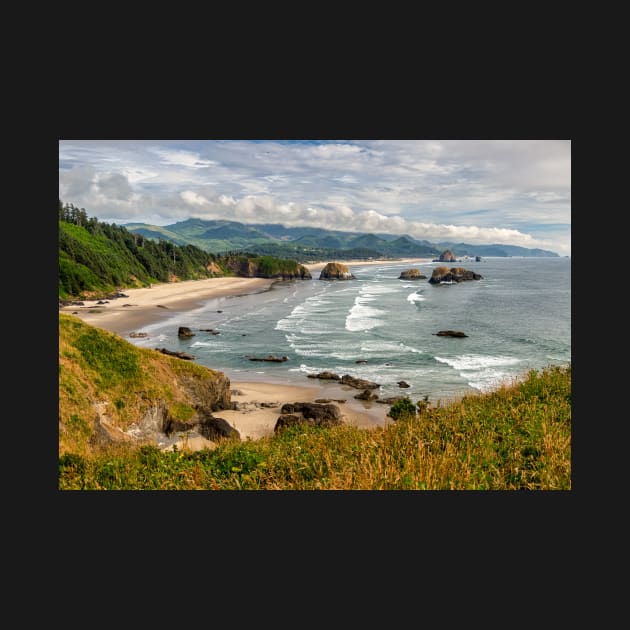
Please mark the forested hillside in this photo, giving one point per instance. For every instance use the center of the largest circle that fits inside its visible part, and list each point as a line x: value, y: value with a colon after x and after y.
x: 96, y: 259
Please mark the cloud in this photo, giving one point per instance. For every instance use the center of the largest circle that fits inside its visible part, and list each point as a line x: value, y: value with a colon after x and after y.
x: 182, y: 158
x: 114, y: 186
x: 252, y: 209
x: 487, y: 189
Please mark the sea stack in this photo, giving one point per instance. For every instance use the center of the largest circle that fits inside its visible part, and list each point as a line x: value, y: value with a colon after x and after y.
x: 336, y: 271
x: 411, y: 274
x: 454, y: 274
x: 446, y: 256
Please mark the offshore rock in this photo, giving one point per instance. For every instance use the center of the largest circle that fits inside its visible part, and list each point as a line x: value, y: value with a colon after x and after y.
x: 411, y: 274
x: 454, y: 274
x: 446, y: 256
x: 336, y: 271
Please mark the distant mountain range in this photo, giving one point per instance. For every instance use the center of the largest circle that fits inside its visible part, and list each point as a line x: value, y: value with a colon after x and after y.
x: 310, y: 244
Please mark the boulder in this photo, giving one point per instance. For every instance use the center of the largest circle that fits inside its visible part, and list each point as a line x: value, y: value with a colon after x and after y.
x: 179, y: 355
x: 206, y: 425
x: 271, y: 358
x: 366, y: 394
x: 325, y: 414
x: 449, y: 333
x: 404, y: 383
x: 314, y: 414
x: 184, y: 331
x: 214, y: 429
x: 359, y: 383
x: 336, y: 271
x: 325, y: 376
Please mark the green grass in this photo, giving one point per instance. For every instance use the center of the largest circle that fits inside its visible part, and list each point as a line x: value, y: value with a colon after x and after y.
x: 515, y: 438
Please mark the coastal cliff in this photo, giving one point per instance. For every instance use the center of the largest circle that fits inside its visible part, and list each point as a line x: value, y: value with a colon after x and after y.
x: 111, y: 391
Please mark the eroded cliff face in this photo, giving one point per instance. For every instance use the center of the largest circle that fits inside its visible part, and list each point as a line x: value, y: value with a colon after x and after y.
x: 111, y: 391
x: 267, y: 268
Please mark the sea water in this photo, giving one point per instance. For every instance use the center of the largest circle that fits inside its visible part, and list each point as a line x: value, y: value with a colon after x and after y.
x: 378, y: 327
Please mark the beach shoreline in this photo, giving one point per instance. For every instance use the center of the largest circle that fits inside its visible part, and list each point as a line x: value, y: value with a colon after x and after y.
x: 259, y: 401
x: 148, y: 305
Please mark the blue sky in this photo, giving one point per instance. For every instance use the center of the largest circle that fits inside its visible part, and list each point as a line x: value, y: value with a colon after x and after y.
x: 514, y: 192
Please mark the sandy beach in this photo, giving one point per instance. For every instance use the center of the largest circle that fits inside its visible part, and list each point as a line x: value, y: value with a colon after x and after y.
x: 149, y: 305
x: 259, y: 402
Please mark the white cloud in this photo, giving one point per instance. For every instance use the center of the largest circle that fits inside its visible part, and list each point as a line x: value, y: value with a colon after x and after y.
x: 438, y: 190
x: 182, y: 158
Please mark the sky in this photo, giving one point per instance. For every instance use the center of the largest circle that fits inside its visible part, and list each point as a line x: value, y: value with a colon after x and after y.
x: 514, y: 192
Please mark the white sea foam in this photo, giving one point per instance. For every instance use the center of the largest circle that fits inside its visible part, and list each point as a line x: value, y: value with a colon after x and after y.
x: 477, y: 361
x: 362, y: 317
x: 415, y: 297
x: 383, y: 347
x: 480, y: 370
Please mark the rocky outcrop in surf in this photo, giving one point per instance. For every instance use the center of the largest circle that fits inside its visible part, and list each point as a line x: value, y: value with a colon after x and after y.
x: 411, y: 274
x: 454, y: 274
x: 336, y: 271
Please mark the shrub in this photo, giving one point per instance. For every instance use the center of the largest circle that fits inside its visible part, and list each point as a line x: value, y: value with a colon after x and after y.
x: 402, y: 408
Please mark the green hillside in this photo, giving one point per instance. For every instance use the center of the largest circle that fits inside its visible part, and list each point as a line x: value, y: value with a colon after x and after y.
x: 96, y: 258
x: 309, y: 244
x: 99, y: 370
x: 516, y: 438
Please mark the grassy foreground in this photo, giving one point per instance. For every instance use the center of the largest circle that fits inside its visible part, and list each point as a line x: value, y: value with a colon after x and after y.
x: 515, y: 438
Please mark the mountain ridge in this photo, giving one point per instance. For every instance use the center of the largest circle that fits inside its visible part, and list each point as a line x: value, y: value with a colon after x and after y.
x: 315, y: 244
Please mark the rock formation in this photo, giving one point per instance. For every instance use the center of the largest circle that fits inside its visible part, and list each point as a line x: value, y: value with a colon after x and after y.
x: 336, y: 271
x: 450, y: 333
x: 322, y: 415
x: 184, y: 331
x: 446, y: 256
x: 454, y: 274
x: 411, y: 274
x: 325, y: 376
x: 359, y: 383
x: 179, y: 355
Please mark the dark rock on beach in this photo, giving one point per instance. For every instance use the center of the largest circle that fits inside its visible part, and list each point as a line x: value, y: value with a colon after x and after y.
x: 179, y: 355
x: 271, y: 358
x: 359, y: 383
x: 450, y: 333
x: 323, y: 415
x: 325, y: 376
x: 184, y: 331
x: 403, y: 384
x: 366, y: 394
x: 207, y: 425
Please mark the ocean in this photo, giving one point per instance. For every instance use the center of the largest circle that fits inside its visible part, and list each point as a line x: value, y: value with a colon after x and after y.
x: 516, y: 318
